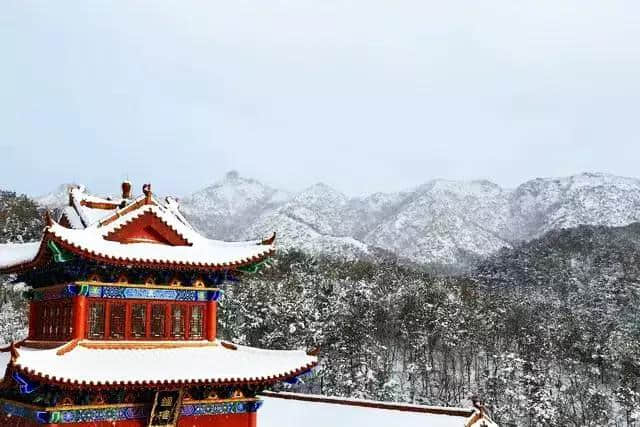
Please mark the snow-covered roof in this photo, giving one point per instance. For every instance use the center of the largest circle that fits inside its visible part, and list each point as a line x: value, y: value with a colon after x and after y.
x: 147, y: 363
x: 72, y: 217
x: 290, y: 410
x: 189, y: 249
x: 82, y: 212
x: 203, y: 252
x: 17, y: 253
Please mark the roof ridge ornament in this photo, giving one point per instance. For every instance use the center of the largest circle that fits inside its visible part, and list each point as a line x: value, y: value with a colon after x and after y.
x: 126, y: 189
x: 60, y: 255
x: 14, y: 352
x: 270, y: 240
x: 146, y: 189
x: 228, y: 345
x: 48, y: 220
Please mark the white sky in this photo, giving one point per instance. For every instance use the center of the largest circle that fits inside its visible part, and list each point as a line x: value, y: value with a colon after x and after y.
x: 364, y: 95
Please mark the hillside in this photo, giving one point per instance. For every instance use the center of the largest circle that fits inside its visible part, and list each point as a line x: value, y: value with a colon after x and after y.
x: 20, y: 220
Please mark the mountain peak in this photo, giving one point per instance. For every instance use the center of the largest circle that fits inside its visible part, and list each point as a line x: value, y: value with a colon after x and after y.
x: 460, y: 188
x: 321, y: 193
x: 232, y: 175
x: 57, y: 198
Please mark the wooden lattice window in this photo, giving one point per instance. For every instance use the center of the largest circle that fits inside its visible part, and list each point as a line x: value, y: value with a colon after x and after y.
x: 158, y: 320
x: 139, y: 320
x: 117, y: 317
x: 196, y: 324
x: 50, y: 322
x: 178, y: 321
x: 55, y: 324
x: 66, y: 321
x: 96, y: 320
x: 44, y: 321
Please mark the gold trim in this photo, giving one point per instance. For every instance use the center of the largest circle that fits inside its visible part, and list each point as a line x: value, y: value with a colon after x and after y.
x: 80, y: 407
x: 143, y: 345
x: 207, y: 402
x: 127, y: 285
x: 49, y: 344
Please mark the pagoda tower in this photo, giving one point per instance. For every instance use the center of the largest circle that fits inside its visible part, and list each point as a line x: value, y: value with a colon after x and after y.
x: 122, y: 322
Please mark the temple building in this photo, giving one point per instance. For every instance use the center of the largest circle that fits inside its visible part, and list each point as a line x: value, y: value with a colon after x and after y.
x: 122, y: 322
x: 122, y: 331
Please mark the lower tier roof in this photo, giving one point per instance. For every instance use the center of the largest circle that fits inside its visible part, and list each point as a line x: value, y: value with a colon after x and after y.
x: 113, y: 363
x: 293, y: 410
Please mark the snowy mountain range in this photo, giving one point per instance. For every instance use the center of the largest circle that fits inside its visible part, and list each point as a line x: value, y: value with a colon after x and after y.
x: 441, y: 221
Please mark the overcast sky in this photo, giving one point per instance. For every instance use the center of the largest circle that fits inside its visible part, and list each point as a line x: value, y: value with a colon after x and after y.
x: 362, y: 95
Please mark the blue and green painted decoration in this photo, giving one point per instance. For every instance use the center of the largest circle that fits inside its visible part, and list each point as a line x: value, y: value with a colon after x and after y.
x: 80, y: 415
x: 59, y: 255
x: 124, y: 292
x: 256, y: 267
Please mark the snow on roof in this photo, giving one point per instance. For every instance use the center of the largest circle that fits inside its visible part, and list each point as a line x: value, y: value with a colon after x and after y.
x: 150, y: 363
x: 92, y: 240
x: 72, y: 216
x: 202, y: 252
x: 173, y: 206
x: 87, y: 214
x: 287, y: 412
x: 17, y: 253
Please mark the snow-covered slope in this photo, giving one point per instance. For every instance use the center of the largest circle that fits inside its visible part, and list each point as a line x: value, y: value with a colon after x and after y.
x: 316, y: 220
x: 445, y: 221
x: 439, y: 221
x: 542, y: 205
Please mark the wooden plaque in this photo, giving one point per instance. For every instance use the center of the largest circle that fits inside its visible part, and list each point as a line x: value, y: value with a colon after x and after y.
x: 166, y: 408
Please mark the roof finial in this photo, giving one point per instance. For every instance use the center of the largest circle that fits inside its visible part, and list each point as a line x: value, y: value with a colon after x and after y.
x: 479, y: 405
x: 47, y: 218
x: 14, y: 352
x: 126, y: 189
x: 146, y: 189
x: 270, y: 240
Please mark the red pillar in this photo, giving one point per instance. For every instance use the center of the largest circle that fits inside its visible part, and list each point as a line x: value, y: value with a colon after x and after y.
x: 212, y: 320
x: 79, y: 317
x: 253, y: 419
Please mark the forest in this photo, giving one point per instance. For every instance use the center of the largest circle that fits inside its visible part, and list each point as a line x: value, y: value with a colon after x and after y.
x: 547, y: 333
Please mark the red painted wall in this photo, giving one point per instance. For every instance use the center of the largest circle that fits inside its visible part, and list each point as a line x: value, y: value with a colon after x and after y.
x: 16, y: 422
x: 229, y: 420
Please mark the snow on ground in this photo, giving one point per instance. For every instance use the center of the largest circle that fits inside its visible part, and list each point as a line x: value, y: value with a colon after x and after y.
x: 276, y: 412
